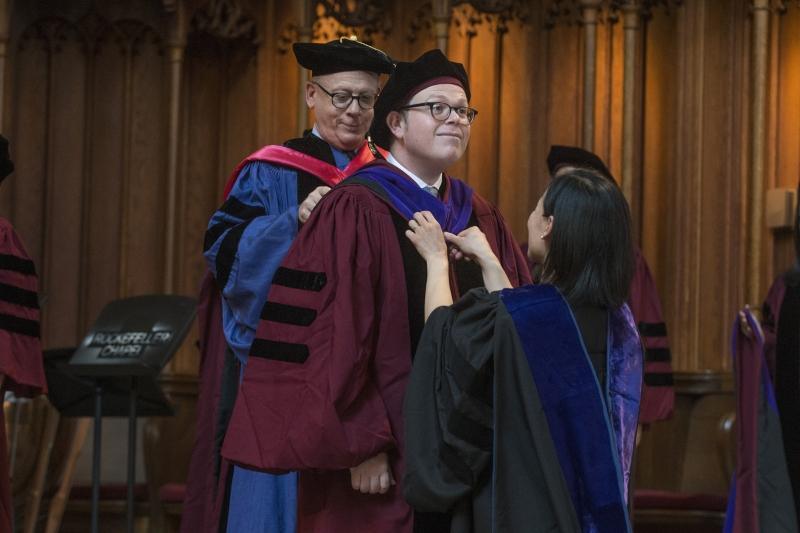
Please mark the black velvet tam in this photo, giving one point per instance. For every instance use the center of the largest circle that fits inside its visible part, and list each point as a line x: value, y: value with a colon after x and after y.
x: 407, y: 77
x: 6, y: 165
x: 342, y: 55
x: 572, y: 156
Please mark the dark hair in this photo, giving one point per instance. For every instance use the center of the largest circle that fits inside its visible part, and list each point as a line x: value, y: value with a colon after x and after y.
x: 591, y: 252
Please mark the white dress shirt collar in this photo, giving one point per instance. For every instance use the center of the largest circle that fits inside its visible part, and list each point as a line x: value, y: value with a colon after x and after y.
x: 417, y: 179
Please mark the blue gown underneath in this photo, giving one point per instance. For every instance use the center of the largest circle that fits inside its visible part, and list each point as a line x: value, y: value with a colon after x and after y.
x: 261, y: 214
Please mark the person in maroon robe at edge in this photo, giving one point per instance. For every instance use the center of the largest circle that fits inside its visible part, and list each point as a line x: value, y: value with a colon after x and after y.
x: 21, y: 362
x: 323, y: 389
x: 658, y: 393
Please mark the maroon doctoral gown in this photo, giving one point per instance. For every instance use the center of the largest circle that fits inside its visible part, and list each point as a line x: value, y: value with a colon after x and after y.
x: 324, y: 385
x: 20, y: 348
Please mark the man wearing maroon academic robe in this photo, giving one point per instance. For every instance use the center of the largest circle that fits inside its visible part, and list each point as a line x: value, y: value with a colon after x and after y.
x: 323, y: 389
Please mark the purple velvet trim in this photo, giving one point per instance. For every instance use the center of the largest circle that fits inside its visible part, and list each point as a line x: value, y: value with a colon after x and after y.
x: 583, y: 434
x: 624, y: 385
x: 407, y: 197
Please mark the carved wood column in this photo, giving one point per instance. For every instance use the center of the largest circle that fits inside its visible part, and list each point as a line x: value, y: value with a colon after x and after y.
x: 589, y: 11
x: 631, y: 11
x: 760, y: 43
x: 176, y: 47
x: 441, y: 23
x: 305, y: 17
x: 5, y: 16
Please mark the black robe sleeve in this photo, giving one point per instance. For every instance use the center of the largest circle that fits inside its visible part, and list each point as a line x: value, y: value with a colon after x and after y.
x: 449, y: 443
x: 477, y: 439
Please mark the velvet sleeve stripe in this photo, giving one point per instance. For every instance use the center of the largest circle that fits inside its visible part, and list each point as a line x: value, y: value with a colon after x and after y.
x: 15, y: 263
x: 470, y: 431
x: 288, y: 314
x: 213, y: 233
x: 238, y: 209
x: 227, y: 253
x: 17, y: 296
x: 299, y: 279
x: 468, y: 379
x: 452, y: 459
x: 653, y: 329
x: 657, y: 355
x: 22, y: 326
x: 658, y: 379
x: 279, y: 351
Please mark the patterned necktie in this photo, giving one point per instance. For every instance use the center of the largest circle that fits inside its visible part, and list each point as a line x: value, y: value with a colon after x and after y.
x: 431, y: 190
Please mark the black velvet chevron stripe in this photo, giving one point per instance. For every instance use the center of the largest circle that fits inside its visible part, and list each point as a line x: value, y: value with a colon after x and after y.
x: 652, y: 329
x: 657, y: 355
x: 23, y: 326
x: 17, y: 296
x: 450, y: 457
x: 470, y: 431
x: 288, y: 314
x: 658, y: 379
x: 227, y: 253
x: 279, y: 351
x: 17, y: 264
x: 468, y: 379
x: 299, y: 279
x: 238, y: 209
x: 213, y: 233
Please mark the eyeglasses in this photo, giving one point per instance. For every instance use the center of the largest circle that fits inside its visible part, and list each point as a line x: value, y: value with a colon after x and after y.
x: 342, y: 100
x: 441, y: 111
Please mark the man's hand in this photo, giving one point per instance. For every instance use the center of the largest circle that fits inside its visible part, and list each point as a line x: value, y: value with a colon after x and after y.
x: 311, y: 201
x: 373, y: 476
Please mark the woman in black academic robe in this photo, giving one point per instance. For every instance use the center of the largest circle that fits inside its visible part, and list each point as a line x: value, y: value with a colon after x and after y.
x: 522, y: 405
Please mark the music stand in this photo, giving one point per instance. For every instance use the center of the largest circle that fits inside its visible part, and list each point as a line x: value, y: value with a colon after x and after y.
x: 120, y: 359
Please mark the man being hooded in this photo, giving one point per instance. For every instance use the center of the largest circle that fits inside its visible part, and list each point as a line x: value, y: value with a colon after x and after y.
x: 323, y: 389
x: 269, y: 195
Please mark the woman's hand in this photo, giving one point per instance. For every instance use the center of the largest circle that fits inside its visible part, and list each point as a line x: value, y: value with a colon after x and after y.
x: 471, y: 244
x: 426, y: 235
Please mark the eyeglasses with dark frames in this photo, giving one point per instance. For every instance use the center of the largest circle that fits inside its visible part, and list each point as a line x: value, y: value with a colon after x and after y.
x: 342, y: 100
x: 441, y: 111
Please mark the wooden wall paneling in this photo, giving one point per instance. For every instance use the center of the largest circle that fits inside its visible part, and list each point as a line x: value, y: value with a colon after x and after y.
x: 103, y: 185
x: 200, y: 184
x: 783, y: 145
x: 5, y: 19
x: 485, y: 49
x: 458, y: 50
x: 659, y: 177
x: 608, y: 95
x: 721, y: 285
x: 684, y: 256
x: 284, y: 81
x: 756, y: 231
x: 521, y: 171
x: 267, y: 50
x: 564, y: 107
x: 197, y: 194
x: 413, y: 34
x: 60, y: 269
x: 240, y: 126
x: 145, y: 209
x: 29, y: 139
